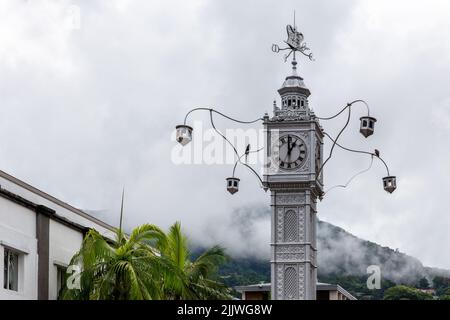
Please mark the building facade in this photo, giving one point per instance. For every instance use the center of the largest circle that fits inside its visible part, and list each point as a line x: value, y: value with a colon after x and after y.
x: 39, y: 234
x: 324, y: 291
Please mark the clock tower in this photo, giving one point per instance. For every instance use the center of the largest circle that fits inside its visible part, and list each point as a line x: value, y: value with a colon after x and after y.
x: 293, y: 175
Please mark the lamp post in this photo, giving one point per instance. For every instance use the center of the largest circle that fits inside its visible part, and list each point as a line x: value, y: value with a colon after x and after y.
x: 294, y: 174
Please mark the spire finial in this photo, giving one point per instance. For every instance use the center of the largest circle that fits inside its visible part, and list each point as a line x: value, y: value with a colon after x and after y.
x: 295, y: 26
x: 294, y: 42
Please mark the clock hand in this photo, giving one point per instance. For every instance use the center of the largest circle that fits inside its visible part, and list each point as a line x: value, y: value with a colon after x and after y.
x: 289, y: 145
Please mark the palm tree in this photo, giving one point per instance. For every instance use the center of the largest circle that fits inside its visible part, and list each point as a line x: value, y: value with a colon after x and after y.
x: 123, y: 269
x: 147, y: 264
x: 196, y: 279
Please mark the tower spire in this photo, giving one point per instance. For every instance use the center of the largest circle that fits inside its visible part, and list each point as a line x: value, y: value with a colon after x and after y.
x: 295, y: 26
x: 294, y: 66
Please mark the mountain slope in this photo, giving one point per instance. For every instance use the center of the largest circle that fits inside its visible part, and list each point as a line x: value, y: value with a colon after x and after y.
x: 342, y: 259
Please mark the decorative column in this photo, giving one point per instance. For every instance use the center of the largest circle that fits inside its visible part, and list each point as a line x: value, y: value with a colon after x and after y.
x: 293, y: 245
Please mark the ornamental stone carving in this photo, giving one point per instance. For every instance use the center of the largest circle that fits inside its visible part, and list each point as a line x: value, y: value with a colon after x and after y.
x: 290, y: 253
x: 280, y: 223
x: 301, y: 219
x: 290, y: 199
x: 290, y: 115
x: 291, y: 226
x: 280, y: 280
x: 291, y: 284
x: 301, y: 280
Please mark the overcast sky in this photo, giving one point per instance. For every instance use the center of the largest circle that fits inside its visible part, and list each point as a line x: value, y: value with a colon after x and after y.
x: 89, y: 105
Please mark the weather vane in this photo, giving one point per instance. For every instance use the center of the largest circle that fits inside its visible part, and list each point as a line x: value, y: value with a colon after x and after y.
x: 294, y: 42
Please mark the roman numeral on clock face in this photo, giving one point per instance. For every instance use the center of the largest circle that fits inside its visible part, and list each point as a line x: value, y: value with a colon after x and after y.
x: 291, y: 152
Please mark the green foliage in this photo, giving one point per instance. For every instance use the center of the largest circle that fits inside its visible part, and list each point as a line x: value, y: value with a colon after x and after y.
x: 241, y: 271
x: 445, y: 295
x: 199, y: 277
x: 442, y: 285
x: 402, y: 292
x: 423, y: 283
x: 147, y: 264
x: 357, y: 285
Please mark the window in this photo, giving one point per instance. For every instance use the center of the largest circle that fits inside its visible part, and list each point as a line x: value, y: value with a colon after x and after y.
x: 291, y: 226
x: 61, y: 276
x: 11, y: 270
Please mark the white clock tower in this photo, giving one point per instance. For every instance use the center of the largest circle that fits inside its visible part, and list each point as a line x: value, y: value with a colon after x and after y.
x: 294, y: 158
x: 294, y: 175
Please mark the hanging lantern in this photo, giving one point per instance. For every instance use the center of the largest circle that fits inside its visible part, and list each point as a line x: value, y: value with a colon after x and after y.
x: 184, y: 134
x: 367, y: 126
x: 390, y: 183
x: 233, y: 185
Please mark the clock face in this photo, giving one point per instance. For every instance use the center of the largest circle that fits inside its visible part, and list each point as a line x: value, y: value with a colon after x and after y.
x: 318, y: 158
x: 292, y: 152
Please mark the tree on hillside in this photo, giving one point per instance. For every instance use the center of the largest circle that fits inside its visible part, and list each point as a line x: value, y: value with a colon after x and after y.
x: 423, y: 283
x: 445, y: 295
x: 402, y: 292
x: 441, y: 284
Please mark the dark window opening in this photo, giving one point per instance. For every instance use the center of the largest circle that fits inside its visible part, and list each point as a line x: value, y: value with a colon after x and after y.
x: 11, y: 270
x: 61, y: 277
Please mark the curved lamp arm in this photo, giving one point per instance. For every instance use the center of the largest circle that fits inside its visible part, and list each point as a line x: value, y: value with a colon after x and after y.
x: 220, y: 113
x: 359, y: 151
x: 335, y: 141
x: 248, y: 167
x: 211, y: 111
x: 347, y: 106
x: 220, y: 134
x: 352, y: 178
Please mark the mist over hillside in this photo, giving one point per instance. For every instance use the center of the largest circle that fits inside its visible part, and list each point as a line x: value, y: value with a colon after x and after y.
x: 245, y: 234
x: 342, y: 257
x: 340, y: 252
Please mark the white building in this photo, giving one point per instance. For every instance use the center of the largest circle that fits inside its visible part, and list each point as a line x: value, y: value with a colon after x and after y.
x: 39, y: 234
x: 324, y: 291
